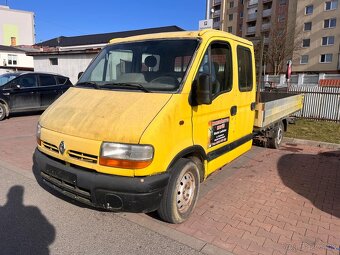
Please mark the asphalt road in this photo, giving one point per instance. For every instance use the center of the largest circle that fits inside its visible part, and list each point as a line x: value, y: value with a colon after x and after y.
x: 32, y: 221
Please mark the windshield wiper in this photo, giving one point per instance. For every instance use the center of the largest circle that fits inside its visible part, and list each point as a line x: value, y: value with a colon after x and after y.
x: 125, y: 84
x: 88, y: 83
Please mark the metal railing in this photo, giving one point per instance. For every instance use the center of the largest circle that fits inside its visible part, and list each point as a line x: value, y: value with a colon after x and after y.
x: 320, y: 103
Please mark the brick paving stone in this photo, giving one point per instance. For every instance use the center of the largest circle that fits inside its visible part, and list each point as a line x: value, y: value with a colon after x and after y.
x: 261, y: 202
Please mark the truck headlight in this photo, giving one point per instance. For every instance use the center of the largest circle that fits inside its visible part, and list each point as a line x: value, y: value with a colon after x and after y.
x: 38, y: 134
x: 125, y: 155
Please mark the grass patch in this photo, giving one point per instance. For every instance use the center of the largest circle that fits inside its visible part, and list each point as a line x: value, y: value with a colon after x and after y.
x: 315, y: 130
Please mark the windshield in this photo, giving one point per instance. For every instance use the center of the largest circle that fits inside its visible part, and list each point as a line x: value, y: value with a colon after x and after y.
x: 7, y: 77
x: 149, y: 66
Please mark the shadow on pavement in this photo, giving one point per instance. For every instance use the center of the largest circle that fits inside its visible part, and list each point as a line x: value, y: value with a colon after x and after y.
x: 23, y: 229
x: 315, y: 177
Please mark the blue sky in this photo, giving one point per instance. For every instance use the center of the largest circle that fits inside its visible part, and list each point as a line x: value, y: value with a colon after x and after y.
x: 74, y: 17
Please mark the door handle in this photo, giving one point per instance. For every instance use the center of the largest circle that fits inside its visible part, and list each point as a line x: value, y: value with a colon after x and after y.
x: 233, y: 110
x: 252, y: 106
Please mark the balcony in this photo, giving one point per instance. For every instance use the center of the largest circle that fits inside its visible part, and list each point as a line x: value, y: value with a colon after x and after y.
x: 252, y: 16
x: 216, y: 2
x: 267, y: 13
x: 216, y: 25
x: 267, y: 1
x: 251, y: 30
x: 216, y: 13
x: 265, y: 26
x: 252, y: 2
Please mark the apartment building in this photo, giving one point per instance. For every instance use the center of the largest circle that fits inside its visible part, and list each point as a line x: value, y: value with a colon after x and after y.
x: 313, y: 24
x: 16, y: 27
x: 319, y: 22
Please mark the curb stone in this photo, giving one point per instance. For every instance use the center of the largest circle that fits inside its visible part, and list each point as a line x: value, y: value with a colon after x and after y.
x: 319, y: 144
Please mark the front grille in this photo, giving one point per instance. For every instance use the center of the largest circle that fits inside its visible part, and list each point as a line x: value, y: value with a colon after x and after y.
x: 68, y: 188
x: 50, y: 146
x: 83, y: 156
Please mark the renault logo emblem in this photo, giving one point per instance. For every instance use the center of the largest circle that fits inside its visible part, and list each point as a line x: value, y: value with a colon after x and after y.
x: 62, y: 147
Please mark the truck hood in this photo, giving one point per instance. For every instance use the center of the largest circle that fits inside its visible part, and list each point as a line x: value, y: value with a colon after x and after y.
x: 103, y: 115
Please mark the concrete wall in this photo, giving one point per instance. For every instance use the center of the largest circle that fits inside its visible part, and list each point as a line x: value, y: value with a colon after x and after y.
x: 68, y: 65
x: 18, y: 24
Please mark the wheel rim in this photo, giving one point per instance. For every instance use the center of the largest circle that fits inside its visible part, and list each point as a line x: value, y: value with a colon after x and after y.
x: 1, y: 111
x: 185, y: 192
x: 279, y: 135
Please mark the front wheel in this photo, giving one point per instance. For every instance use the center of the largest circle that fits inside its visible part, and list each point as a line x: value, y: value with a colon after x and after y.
x: 276, y: 140
x: 3, y: 112
x: 181, y: 194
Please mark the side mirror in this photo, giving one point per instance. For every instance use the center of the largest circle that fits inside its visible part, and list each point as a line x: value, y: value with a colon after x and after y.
x: 204, y: 90
x: 80, y: 74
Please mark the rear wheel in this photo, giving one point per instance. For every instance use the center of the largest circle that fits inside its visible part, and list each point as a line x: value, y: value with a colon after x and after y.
x: 181, y: 194
x: 276, y: 140
x: 3, y: 111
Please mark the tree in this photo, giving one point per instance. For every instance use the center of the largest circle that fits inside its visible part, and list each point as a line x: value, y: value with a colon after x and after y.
x: 284, y: 43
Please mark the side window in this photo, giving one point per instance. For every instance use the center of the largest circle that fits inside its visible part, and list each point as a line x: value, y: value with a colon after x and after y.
x: 28, y: 81
x: 217, y: 62
x: 245, y: 70
x: 47, y: 80
x: 61, y: 80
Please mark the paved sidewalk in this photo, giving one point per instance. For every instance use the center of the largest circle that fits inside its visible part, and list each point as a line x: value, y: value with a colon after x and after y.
x: 268, y: 201
x: 283, y: 201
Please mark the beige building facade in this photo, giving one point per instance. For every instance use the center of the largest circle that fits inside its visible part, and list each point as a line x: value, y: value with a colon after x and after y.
x: 319, y: 22
x: 314, y: 24
x: 16, y: 27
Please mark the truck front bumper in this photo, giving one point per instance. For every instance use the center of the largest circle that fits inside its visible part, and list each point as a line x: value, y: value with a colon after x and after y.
x: 116, y: 193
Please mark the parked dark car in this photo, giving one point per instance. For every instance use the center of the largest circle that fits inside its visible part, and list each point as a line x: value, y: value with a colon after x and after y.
x: 30, y: 91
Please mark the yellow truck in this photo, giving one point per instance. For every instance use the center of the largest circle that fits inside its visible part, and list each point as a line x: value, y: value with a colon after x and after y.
x: 152, y: 117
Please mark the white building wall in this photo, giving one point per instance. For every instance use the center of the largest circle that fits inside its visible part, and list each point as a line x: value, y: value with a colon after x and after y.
x: 18, y: 24
x: 22, y: 59
x: 68, y: 65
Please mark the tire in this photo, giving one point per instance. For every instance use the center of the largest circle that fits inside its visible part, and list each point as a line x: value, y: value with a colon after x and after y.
x: 181, y: 194
x: 3, y: 111
x: 276, y: 140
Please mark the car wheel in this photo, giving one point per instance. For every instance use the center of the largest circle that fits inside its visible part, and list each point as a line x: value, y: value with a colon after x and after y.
x: 276, y: 140
x: 3, y: 111
x: 181, y: 194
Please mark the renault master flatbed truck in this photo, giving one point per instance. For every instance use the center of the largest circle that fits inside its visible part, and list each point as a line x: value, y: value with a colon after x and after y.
x: 152, y: 117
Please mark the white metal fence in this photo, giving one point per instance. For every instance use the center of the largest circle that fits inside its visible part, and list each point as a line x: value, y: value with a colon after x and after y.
x: 320, y: 103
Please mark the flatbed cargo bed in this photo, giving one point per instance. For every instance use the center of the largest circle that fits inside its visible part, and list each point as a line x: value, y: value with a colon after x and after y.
x: 275, y: 106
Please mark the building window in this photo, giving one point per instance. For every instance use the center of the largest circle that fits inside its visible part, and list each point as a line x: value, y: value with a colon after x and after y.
x: 304, y: 59
x: 241, y: 14
x: 326, y: 58
x: 307, y: 26
x: 231, y: 5
x: 331, y: 5
x: 283, y: 2
x: 327, y: 40
x: 309, y: 9
x: 329, y: 23
x: 231, y: 16
x: 281, y: 18
x: 12, y: 60
x: 53, y: 61
x: 230, y: 29
x: 305, y: 43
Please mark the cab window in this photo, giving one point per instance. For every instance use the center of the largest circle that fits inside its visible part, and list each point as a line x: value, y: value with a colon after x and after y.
x: 245, y: 70
x: 217, y: 63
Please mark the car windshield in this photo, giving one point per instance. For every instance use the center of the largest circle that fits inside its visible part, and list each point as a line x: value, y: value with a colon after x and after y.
x: 147, y: 66
x: 4, y: 78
